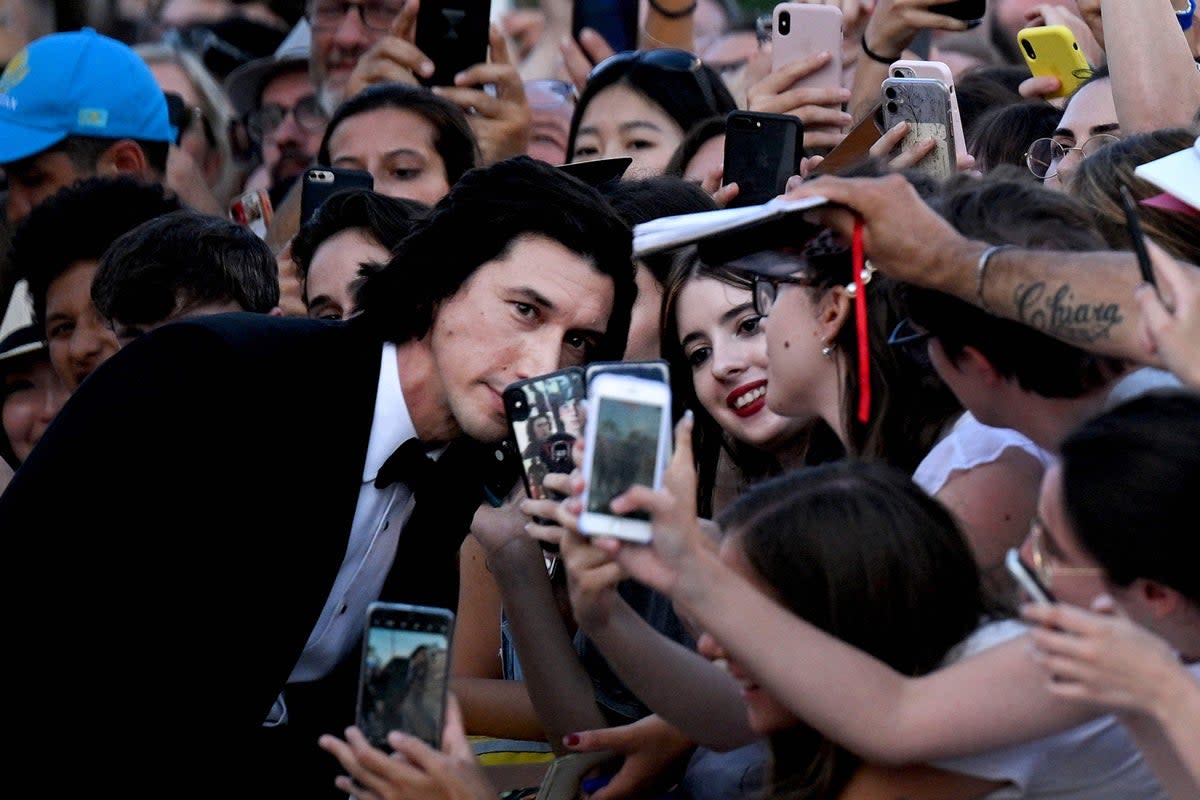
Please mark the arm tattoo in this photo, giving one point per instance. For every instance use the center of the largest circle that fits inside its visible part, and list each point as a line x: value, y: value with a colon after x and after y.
x: 1060, y: 314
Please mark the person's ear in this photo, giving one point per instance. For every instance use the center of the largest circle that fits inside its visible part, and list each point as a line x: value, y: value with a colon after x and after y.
x: 975, y: 363
x: 1158, y: 598
x: 832, y: 312
x: 123, y: 157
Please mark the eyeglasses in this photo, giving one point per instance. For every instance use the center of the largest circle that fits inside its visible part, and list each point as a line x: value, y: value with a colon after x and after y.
x: 183, y: 117
x: 547, y: 93
x: 1045, y: 154
x: 665, y: 58
x: 265, y: 120
x: 1043, y: 564
x: 326, y: 16
x: 907, y: 332
x: 766, y: 287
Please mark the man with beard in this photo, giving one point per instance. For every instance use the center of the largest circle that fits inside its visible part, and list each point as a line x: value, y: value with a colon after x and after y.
x: 279, y: 102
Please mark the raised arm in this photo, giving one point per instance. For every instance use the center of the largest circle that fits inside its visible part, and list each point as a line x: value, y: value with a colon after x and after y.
x: 1086, y: 299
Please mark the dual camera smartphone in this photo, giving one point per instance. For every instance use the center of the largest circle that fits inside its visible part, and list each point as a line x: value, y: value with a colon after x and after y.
x: 622, y: 411
x: 405, y: 672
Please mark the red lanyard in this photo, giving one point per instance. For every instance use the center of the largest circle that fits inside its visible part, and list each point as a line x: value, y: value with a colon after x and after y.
x: 860, y: 303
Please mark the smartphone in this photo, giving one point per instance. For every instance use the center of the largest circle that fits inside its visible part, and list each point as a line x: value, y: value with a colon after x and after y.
x: 799, y: 30
x: 1026, y: 578
x: 1053, y: 50
x: 254, y: 210
x: 545, y: 418
x: 937, y: 70
x: 924, y: 103
x: 653, y: 370
x: 454, y: 35
x: 1136, y: 237
x: 321, y: 182
x: 856, y: 147
x: 405, y: 672
x: 762, y: 150
x: 962, y: 9
x: 626, y: 441
x: 615, y: 20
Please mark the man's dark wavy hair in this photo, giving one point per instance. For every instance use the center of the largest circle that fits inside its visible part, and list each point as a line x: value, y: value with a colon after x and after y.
x: 477, y: 222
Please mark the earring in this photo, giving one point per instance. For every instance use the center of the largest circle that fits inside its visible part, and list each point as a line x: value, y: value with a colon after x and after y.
x: 828, y: 349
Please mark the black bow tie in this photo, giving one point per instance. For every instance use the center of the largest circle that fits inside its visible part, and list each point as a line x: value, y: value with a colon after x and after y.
x: 408, y: 464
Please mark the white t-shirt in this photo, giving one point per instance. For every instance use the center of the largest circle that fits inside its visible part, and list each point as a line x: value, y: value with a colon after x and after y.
x: 1094, y: 761
x: 970, y: 443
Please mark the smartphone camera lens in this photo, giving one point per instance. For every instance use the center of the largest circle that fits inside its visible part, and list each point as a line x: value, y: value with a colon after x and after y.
x: 890, y: 93
x: 785, y: 23
x: 892, y: 107
x: 1028, y: 48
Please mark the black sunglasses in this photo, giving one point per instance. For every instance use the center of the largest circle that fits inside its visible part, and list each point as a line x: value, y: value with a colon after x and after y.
x: 665, y: 58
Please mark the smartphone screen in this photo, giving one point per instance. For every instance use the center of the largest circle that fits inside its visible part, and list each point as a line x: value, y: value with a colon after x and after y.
x: 545, y: 418
x: 628, y: 427
x: 405, y: 670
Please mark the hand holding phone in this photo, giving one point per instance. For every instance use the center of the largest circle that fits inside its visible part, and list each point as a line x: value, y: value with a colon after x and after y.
x: 762, y: 151
x: 454, y: 35
x: 924, y: 103
x: 627, y: 442
x: 799, y: 30
x: 321, y: 182
x: 405, y: 672
x: 545, y: 418
x: 1051, y: 50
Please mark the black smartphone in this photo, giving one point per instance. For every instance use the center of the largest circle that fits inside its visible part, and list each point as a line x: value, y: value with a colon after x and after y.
x: 321, y: 182
x: 615, y: 20
x: 762, y: 150
x: 454, y: 34
x: 405, y: 672
x: 545, y: 418
x: 962, y: 9
x: 1136, y: 237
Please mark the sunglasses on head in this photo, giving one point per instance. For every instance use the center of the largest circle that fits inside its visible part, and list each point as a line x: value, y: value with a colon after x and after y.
x: 669, y: 59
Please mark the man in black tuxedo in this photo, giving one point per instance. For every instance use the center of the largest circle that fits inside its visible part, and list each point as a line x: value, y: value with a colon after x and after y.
x: 192, y: 545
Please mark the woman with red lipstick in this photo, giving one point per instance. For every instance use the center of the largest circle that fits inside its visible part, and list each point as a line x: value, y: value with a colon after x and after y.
x: 713, y: 339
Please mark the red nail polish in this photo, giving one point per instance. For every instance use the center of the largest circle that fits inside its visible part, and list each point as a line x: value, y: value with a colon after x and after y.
x: 571, y: 739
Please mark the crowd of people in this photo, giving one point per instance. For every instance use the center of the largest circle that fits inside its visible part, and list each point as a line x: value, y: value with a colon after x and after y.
x: 227, y: 429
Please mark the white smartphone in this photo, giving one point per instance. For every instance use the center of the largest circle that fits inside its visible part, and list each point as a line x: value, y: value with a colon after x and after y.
x: 937, y: 70
x: 1025, y: 577
x: 799, y: 30
x: 627, y: 442
x: 924, y: 103
x: 405, y: 672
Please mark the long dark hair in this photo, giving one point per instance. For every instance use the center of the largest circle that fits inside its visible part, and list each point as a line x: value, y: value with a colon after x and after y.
x: 859, y: 550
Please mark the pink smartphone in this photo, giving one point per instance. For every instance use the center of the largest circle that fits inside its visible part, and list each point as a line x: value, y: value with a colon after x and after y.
x: 937, y: 70
x: 799, y: 30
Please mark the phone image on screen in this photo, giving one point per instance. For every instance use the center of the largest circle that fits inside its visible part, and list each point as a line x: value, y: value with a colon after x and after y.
x: 615, y: 20
x: 454, y: 35
x: 1053, y: 50
x: 924, y: 103
x: 799, y: 30
x: 762, y: 150
x: 937, y: 70
x: 1026, y: 578
x: 321, y: 182
x: 405, y: 672
x: 628, y: 428
x: 545, y: 419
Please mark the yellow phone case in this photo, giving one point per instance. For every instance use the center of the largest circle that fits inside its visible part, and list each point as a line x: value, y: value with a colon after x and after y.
x: 1053, y: 50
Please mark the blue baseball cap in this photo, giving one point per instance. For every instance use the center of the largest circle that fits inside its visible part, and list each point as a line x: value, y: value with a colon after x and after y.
x: 78, y: 83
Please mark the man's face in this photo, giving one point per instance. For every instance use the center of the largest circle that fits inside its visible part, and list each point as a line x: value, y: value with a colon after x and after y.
x: 80, y: 340
x: 32, y: 180
x: 290, y: 147
x: 512, y: 321
x: 336, y: 49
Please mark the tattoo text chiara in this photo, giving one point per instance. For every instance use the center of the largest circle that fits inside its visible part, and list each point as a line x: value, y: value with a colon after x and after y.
x: 1060, y: 315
